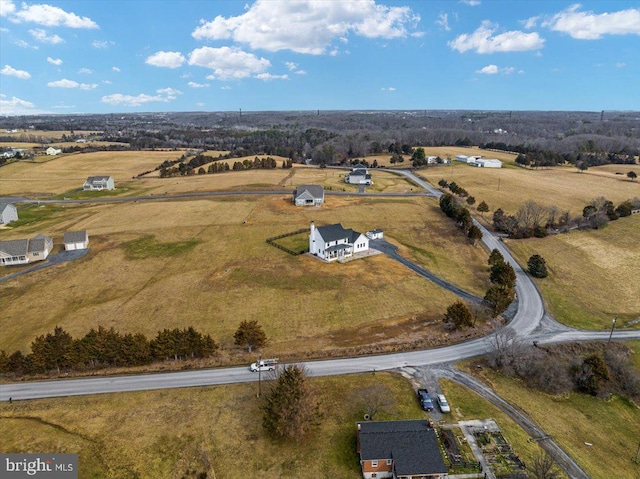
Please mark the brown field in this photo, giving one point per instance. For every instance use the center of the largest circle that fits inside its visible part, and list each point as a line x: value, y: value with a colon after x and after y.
x: 163, y: 434
x: 68, y: 172
x: 564, y: 186
x: 229, y: 276
x: 593, y: 275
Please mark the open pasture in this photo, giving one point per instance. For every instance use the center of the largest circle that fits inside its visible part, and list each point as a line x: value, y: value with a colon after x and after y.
x: 593, y: 275
x: 229, y: 274
x: 563, y: 186
x: 217, y: 430
x: 69, y: 172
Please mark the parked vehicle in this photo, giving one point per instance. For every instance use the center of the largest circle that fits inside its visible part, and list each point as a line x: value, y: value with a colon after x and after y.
x: 264, y: 365
x: 425, y: 400
x: 442, y: 402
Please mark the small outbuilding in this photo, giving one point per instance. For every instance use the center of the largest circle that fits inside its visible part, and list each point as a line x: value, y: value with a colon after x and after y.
x: 53, y: 151
x: 8, y: 213
x: 375, y: 234
x: 99, y: 183
x: 74, y: 240
x: 308, y: 195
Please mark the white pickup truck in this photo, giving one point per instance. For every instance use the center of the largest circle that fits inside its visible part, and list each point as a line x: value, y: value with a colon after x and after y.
x: 264, y: 365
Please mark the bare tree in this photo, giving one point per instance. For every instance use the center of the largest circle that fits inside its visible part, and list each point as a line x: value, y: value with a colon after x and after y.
x: 374, y: 399
x: 544, y: 467
x: 532, y: 215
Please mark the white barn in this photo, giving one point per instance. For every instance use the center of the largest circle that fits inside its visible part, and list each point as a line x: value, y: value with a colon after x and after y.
x: 333, y: 242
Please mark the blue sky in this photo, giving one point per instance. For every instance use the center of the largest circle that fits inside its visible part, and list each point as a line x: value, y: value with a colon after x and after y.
x: 95, y: 56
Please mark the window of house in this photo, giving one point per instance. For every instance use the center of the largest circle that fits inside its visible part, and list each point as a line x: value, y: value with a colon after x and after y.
x: 389, y: 461
x: 374, y: 463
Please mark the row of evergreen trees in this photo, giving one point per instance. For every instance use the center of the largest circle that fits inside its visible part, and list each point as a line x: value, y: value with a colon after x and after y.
x: 59, y: 351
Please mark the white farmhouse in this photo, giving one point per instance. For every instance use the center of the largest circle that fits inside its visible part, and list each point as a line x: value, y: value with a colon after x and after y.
x: 333, y: 242
x: 358, y: 176
x: 53, y: 151
x: 99, y: 183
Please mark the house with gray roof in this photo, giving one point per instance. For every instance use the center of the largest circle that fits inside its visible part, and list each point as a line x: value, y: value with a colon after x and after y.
x: 358, y: 176
x: 23, y: 251
x: 308, y: 195
x: 399, y: 450
x: 99, y: 183
x: 74, y: 240
x: 8, y: 213
x: 333, y: 242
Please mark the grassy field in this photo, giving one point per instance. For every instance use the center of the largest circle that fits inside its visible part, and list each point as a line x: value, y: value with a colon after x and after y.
x: 163, y: 434
x: 592, y: 274
x: 601, y: 435
x: 215, y: 269
x: 564, y: 186
x: 69, y: 172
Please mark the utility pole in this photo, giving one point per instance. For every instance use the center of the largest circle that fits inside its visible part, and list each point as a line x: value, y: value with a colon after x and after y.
x: 259, y: 374
x: 635, y: 459
x: 613, y: 325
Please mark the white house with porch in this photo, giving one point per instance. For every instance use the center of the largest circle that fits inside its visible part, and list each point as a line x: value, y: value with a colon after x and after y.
x: 99, y: 183
x: 333, y: 242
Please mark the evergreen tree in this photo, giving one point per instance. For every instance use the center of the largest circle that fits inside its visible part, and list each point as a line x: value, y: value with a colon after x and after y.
x: 250, y: 335
x: 289, y: 410
x: 498, y: 298
x: 495, y: 257
x: 483, y: 207
x: 459, y: 315
x: 50, y: 351
x: 474, y: 234
x: 537, y: 266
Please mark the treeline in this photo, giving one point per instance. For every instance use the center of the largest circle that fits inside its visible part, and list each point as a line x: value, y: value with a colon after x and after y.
x: 533, y: 219
x: 217, y: 166
x: 592, y: 368
x: 99, y: 348
x: 460, y: 214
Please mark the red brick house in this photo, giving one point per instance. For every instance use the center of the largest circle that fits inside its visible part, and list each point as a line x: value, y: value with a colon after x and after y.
x: 399, y: 450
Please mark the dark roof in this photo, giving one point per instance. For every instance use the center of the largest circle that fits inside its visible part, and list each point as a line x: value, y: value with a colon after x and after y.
x: 93, y: 179
x: 4, y: 205
x: 334, y: 232
x: 412, y: 445
x: 354, y: 236
x: 15, y: 247
x: 316, y: 191
x: 75, y: 237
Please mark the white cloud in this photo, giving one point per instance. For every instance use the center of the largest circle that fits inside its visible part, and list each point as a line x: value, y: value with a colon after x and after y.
x: 494, y: 70
x: 193, y: 84
x: 621, y: 64
x: 228, y: 62
x: 199, y: 104
x: 166, y: 59
x: 592, y: 26
x: 225, y: 87
x: 291, y: 66
x: 115, y: 69
x: 50, y: 16
x: 300, y: 72
x: 23, y: 44
x: 16, y: 106
x: 65, y: 83
x: 107, y: 82
x: 269, y: 76
x: 531, y: 22
x: 482, y: 40
x: 64, y: 107
x: 12, y: 72
x: 4, y: 30
x: 443, y: 21
x: 41, y: 35
x: 471, y: 3
x: 489, y: 70
x: 388, y: 89
x: 6, y: 8
x: 307, y: 26
x: 164, y: 95
x: 54, y: 61
x: 85, y: 71
x: 102, y: 44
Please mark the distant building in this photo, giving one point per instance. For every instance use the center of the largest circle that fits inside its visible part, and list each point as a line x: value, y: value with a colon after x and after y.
x: 486, y: 163
x: 333, y: 242
x: 399, y: 449
x: 8, y: 213
x: 74, y: 240
x: 22, y: 251
x: 308, y: 195
x: 375, y: 234
x: 99, y: 183
x: 53, y: 151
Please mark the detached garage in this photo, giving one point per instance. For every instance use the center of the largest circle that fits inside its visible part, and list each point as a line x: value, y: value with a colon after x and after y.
x: 74, y: 240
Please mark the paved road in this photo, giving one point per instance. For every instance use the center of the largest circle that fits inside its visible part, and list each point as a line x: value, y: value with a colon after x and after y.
x: 52, y: 260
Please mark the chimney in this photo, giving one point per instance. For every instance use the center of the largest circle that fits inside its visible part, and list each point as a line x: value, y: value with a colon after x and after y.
x: 313, y: 227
